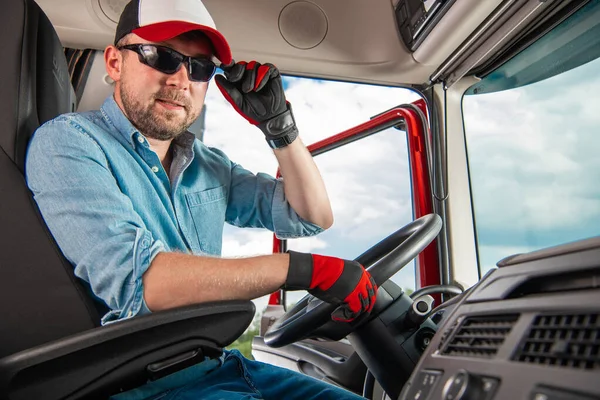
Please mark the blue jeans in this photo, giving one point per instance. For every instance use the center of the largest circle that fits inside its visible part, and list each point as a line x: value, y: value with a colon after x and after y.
x: 235, y: 377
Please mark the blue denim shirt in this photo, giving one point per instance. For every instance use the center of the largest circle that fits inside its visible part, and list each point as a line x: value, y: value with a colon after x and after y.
x: 111, y: 206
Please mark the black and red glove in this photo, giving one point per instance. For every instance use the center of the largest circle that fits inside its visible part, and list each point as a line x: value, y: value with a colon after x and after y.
x: 256, y: 92
x: 335, y: 281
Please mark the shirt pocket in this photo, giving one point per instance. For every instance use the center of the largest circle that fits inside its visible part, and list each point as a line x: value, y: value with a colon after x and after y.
x: 207, y: 209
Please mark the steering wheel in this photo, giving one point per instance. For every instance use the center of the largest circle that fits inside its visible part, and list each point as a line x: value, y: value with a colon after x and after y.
x: 382, y: 261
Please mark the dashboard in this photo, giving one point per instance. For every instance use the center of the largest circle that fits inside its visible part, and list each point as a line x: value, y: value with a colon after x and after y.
x: 528, y: 330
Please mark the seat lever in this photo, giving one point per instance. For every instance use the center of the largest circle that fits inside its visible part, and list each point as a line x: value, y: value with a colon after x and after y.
x: 178, y: 362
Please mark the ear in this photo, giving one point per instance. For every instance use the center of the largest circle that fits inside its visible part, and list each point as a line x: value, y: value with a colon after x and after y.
x: 113, y: 60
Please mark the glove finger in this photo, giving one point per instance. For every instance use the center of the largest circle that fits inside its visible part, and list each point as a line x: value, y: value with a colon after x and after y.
x: 234, y: 72
x: 372, y: 292
x: 229, y: 90
x: 227, y: 67
x: 264, y: 74
x: 250, y: 76
x: 233, y: 96
x: 364, y: 302
x: 344, y: 314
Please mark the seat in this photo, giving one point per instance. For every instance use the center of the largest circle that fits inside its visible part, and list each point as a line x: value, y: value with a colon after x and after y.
x: 51, y: 343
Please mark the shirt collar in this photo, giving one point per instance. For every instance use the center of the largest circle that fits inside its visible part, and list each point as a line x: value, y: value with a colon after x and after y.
x: 113, y: 114
x: 185, y: 140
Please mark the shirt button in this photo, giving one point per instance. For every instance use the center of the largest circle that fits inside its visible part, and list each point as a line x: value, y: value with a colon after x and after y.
x: 140, y: 139
x: 155, y: 169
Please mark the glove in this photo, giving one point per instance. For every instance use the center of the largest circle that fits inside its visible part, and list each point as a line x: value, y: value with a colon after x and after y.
x: 256, y: 93
x: 335, y: 281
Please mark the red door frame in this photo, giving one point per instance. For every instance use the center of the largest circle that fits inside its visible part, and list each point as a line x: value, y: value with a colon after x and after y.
x: 428, y: 260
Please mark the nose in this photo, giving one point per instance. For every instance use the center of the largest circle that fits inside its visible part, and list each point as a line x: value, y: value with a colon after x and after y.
x: 180, y: 78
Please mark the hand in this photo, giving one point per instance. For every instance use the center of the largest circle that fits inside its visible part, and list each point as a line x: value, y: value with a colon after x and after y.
x: 335, y: 281
x: 256, y: 93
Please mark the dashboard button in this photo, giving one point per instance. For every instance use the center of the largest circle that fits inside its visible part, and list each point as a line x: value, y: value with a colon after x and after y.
x: 422, y: 306
x: 463, y: 386
x: 422, y: 385
x: 489, y: 387
x: 467, y: 386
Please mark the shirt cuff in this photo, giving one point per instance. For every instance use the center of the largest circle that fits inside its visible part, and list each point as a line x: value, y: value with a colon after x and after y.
x: 145, y: 249
x: 287, y: 224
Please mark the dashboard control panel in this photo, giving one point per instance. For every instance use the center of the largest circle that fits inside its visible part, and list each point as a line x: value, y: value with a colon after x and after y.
x: 469, y: 386
x: 528, y: 330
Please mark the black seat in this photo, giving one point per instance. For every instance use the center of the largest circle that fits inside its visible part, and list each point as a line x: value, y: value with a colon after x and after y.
x: 51, y: 345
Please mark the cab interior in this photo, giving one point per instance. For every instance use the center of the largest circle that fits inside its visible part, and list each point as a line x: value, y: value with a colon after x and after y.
x: 527, y: 327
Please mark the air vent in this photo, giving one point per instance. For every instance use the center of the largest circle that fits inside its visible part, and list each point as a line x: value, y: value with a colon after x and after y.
x: 446, y: 335
x: 570, y: 341
x: 480, y: 337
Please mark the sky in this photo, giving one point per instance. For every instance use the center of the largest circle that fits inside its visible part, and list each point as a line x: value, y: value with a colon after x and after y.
x: 533, y: 157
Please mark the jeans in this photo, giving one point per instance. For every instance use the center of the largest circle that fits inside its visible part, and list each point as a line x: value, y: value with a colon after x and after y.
x: 235, y: 377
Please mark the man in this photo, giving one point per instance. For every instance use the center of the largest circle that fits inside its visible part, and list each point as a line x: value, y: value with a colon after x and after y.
x: 138, y: 205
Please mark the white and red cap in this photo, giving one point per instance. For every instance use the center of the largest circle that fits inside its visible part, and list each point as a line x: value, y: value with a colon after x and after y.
x: 160, y: 20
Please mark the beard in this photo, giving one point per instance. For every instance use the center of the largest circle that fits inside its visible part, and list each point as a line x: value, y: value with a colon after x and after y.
x: 166, y: 125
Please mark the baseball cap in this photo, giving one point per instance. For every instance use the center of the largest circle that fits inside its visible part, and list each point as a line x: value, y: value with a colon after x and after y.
x: 160, y: 20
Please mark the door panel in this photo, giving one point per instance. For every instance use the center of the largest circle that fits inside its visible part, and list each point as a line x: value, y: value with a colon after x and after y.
x: 334, y: 362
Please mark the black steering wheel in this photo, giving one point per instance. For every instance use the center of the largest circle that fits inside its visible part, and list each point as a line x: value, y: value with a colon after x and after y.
x: 382, y: 261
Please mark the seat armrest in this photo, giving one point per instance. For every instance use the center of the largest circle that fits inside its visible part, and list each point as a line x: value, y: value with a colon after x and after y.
x: 115, y: 357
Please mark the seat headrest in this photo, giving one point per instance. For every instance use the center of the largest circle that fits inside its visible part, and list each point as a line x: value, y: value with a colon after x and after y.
x: 36, y: 85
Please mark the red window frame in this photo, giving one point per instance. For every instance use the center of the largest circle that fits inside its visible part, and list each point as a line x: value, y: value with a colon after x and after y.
x: 428, y: 260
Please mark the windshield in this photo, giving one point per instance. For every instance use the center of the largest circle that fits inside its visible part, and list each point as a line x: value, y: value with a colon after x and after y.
x: 534, y: 160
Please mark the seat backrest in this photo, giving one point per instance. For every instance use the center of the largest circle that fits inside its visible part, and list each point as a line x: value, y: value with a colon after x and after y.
x: 40, y: 298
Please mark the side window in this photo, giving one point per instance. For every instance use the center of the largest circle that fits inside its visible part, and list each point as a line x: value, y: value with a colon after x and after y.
x: 368, y: 183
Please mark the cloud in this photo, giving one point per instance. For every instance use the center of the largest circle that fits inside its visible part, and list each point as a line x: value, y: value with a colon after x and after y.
x: 308, y: 245
x: 246, y: 242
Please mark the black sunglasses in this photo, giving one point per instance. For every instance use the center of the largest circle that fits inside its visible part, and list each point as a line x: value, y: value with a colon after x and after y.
x: 168, y: 61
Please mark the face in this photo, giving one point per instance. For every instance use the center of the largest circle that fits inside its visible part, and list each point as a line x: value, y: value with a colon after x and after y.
x: 159, y: 105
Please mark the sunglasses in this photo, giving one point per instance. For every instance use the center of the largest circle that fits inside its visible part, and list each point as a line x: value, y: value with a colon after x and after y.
x: 168, y: 61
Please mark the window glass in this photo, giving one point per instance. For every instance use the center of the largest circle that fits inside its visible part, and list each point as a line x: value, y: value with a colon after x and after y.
x: 368, y: 182
x: 363, y: 214
x: 534, y: 164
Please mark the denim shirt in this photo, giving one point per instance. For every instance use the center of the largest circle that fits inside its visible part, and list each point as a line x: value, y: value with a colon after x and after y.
x: 111, y: 206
